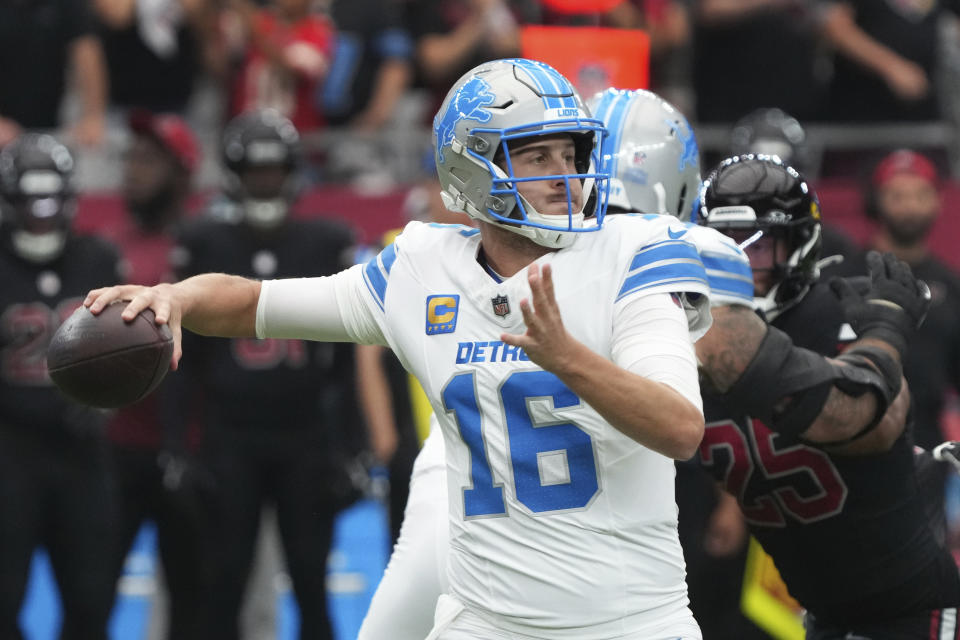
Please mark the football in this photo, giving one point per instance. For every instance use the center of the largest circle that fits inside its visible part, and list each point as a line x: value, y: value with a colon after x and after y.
x: 105, y: 362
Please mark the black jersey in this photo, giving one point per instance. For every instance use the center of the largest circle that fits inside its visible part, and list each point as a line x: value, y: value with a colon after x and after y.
x: 849, y: 535
x: 34, y: 301
x: 268, y: 383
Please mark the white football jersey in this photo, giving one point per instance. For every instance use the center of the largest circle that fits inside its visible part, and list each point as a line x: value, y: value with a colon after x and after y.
x: 560, y: 525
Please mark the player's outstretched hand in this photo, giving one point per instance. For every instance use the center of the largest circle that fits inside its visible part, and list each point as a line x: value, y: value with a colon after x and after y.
x: 889, y: 306
x: 546, y: 341
x: 160, y: 299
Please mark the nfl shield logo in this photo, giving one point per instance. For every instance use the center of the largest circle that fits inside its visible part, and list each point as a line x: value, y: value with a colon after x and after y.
x: 501, y: 306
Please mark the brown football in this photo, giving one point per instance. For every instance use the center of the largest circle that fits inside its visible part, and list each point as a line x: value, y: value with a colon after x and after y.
x: 105, y: 362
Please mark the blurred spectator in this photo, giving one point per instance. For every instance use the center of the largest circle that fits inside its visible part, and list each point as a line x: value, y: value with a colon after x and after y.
x: 754, y: 53
x: 56, y: 484
x: 371, y: 64
x: 157, y: 476
x: 155, y: 39
x: 285, y: 50
x: 273, y: 409
x: 39, y: 41
x: 887, y: 57
x: 903, y: 197
x: 453, y: 36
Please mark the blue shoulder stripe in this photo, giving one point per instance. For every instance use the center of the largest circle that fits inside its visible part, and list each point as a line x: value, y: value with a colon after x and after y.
x: 663, y: 250
x: 388, y: 256
x: 728, y: 275
x: 664, y: 263
x: 376, y: 272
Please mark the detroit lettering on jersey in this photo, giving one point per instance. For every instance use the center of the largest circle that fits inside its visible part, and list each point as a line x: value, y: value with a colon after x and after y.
x: 487, y: 352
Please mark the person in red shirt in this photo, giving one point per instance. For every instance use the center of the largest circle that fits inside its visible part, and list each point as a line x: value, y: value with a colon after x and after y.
x: 287, y: 54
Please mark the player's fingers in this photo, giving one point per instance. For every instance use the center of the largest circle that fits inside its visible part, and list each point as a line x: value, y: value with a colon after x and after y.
x: 541, y: 299
x: 177, y: 345
x: 875, y: 265
x: 93, y: 295
x: 547, y: 275
x: 109, y: 295
x: 511, y: 339
x: 529, y: 317
x: 139, y: 302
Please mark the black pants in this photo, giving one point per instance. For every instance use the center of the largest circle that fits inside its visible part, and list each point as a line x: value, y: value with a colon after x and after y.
x: 308, y: 488
x: 56, y: 490
x: 181, y: 514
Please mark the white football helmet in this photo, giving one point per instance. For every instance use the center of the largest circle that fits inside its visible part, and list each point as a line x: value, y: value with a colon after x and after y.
x: 651, y: 153
x: 488, y: 110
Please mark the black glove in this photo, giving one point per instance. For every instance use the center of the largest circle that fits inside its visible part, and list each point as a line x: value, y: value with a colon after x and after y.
x: 889, y: 306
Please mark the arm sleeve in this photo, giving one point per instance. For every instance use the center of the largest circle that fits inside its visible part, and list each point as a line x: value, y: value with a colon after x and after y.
x: 651, y: 339
x: 328, y: 309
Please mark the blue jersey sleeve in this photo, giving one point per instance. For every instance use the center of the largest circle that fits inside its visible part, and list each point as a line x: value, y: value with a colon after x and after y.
x: 376, y: 273
x: 667, y: 265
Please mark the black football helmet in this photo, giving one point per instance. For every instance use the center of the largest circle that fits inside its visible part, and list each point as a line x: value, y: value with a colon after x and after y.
x: 37, y: 202
x: 261, y: 155
x: 772, y: 132
x: 758, y: 195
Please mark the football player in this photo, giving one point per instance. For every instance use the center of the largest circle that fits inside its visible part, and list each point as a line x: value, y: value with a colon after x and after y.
x: 557, y: 356
x: 56, y: 488
x: 653, y: 163
x: 841, y: 514
x: 272, y: 409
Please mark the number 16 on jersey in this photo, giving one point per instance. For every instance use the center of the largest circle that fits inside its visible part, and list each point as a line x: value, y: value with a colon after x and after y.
x: 554, y: 464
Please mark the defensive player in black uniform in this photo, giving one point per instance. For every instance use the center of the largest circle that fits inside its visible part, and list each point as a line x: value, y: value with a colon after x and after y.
x: 273, y: 408
x: 55, y: 481
x: 843, y: 518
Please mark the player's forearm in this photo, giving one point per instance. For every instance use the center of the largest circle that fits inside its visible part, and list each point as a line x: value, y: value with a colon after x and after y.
x: 217, y: 304
x: 650, y: 412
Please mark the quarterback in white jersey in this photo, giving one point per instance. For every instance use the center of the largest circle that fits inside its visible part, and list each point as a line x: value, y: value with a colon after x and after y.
x: 537, y: 474
x: 557, y: 356
x: 403, y: 604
